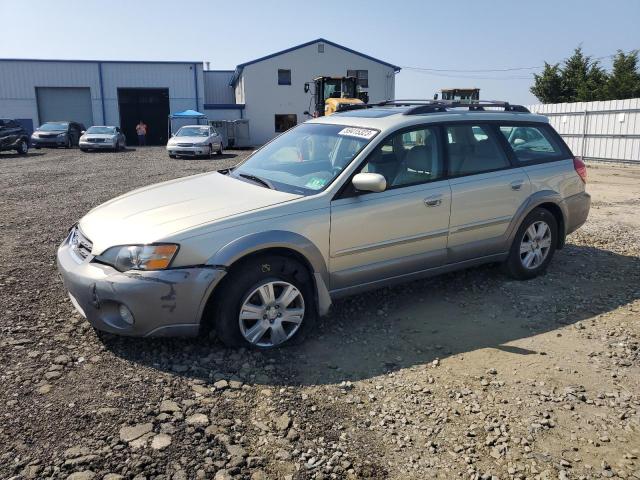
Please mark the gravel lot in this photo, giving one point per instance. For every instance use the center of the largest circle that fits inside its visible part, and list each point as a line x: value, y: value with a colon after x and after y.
x: 468, y: 375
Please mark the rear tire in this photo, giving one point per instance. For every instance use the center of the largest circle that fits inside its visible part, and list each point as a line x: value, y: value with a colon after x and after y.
x: 278, y: 320
x: 533, y: 246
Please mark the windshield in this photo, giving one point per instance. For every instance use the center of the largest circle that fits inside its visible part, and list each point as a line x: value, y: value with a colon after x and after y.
x: 193, y: 132
x: 107, y: 130
x: 49, y: 127
x: 307, y: 158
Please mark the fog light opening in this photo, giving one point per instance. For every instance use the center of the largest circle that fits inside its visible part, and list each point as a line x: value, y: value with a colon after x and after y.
x: 126, y: 315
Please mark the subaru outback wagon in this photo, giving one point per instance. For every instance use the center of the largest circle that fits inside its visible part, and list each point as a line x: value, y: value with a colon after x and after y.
x: 335, y: 206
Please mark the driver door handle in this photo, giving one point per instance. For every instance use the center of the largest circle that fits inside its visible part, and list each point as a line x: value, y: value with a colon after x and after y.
x: 433, y: 200
x: 517, y: 185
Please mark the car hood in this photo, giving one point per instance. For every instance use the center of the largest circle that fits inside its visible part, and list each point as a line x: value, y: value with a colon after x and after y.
x: 174, y: 140
x: 153, y: 213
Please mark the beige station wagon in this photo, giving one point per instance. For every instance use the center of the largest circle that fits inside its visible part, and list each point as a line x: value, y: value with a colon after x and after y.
x: 335, y: 206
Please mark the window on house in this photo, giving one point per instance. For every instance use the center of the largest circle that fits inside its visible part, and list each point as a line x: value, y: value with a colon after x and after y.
x: 361, y: 75
x: 321, y: 48
x: 284, y: 122
x: 284, y: 77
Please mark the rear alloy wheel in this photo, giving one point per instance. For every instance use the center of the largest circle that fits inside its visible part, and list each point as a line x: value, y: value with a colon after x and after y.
x: 533, y: 246
x: 23, y: 147
x: 265, y: 303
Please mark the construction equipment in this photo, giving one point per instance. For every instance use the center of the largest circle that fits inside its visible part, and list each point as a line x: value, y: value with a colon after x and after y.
x: 332, y: 94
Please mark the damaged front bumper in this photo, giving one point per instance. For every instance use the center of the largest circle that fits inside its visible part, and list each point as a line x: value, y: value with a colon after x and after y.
x: 160, y: 303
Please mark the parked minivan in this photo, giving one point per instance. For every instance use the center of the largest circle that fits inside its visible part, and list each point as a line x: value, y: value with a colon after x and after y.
x: 335, y: 206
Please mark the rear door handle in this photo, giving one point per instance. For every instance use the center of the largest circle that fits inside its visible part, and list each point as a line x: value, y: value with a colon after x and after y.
x: 433, y: 201
x: 517, y: 185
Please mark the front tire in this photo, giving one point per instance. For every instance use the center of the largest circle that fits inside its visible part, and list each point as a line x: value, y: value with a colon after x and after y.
x: 23, y: 147
x: 69, y: 144
x: 172, y: 156
x: 533, y: 246
x: 267, y: 302
x: 220, y: 149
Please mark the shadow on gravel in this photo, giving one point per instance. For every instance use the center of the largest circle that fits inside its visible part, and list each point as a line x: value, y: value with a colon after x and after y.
x: 5, y: 155
x: 224, y: 156
x: 413, y: 324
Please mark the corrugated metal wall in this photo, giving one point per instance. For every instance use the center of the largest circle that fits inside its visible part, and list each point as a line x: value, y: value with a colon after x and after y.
x: 216, y: 87
x: 604, y: 131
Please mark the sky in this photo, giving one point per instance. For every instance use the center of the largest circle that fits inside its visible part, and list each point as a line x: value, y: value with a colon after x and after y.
x: 438, y: 44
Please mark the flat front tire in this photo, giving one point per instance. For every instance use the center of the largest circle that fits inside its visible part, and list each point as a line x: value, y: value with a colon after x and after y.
x: 265, y: 303
x: 533, y: 246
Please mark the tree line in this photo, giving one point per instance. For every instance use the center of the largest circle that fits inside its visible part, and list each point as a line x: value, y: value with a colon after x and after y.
x: 580, y: 78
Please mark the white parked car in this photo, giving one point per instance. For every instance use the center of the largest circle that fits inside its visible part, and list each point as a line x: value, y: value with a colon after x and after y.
x: 195, y: 140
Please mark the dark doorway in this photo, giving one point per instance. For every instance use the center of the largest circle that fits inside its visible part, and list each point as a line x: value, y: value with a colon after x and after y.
x: 151, y: 105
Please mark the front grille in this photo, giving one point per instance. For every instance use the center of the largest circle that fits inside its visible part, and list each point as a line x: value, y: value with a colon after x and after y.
x: 95, y: 140
x: 185, y: 144
x: 48, y: 135
x: 80, y: 245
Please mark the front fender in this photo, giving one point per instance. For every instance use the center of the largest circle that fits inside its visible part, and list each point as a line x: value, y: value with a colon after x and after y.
x: 256, y: 242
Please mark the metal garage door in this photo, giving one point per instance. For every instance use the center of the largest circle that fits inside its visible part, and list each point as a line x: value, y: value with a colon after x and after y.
x: 63, y: 103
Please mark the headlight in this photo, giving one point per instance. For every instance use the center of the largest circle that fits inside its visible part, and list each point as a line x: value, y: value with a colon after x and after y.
x: 201, y: 144
x: 139, y: 257
x: 34, y: 135
x: 61, y: 134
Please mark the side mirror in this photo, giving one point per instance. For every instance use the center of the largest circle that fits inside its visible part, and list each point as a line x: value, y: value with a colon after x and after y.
x: 369, y: 182
x: 82, y: 132
x: 519, y: 141
x: 306, y: 88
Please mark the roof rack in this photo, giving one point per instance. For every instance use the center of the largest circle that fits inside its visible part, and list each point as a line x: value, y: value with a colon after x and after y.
x: 420, y: 106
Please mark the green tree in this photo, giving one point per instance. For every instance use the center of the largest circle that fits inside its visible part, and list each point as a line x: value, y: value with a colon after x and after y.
x: 579, y: 79
x: 583, y: 80
x: 624, y: 81
x: 547, y: 86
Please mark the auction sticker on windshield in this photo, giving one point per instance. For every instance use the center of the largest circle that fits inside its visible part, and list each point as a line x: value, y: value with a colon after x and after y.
x: 365, y: 133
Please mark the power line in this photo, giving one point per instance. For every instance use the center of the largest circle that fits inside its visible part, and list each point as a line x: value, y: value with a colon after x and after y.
x: 489, y: 70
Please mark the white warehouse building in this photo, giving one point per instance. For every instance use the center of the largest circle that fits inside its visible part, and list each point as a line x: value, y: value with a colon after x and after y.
x: 267, y: 92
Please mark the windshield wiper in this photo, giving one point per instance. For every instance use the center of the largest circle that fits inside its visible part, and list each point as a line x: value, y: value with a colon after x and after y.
x: 259, y: 180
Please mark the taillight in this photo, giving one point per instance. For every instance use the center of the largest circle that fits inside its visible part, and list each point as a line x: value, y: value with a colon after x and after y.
x: 580, y: 168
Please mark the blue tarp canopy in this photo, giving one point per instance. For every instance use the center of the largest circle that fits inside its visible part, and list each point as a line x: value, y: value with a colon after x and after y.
x: 188, y: 114
x: 184, y: 115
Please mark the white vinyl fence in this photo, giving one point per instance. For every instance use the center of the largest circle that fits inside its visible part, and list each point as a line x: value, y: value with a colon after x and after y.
x: 602, y: 131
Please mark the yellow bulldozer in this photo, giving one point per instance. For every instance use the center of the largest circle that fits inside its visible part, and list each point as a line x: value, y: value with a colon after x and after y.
x: 332, y: 94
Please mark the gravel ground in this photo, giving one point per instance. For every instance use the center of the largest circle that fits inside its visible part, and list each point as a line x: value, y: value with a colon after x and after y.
x: 469, y: 375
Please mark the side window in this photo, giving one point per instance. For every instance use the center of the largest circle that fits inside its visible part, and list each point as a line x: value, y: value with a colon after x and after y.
x: 284, y: 77
x: 531, y: 144
x: 285, y: 122
x: 474, y: 149
x: 408, y: 158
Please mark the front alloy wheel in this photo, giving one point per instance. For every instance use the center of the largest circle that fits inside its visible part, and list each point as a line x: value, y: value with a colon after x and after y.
x: 271, y: 314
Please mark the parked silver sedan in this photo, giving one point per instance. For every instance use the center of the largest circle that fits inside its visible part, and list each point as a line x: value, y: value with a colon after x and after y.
x: 195, y: 140
x: 103, y: 137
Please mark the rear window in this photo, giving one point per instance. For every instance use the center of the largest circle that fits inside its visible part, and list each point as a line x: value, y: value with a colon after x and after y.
x: 531, y: 143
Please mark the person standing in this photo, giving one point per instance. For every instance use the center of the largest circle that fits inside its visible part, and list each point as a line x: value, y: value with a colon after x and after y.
x: 141, y: 130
